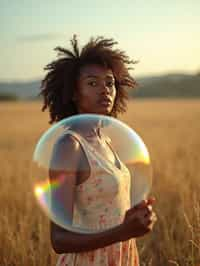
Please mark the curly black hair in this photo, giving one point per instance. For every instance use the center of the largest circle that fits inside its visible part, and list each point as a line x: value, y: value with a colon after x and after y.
x: 59, y: 84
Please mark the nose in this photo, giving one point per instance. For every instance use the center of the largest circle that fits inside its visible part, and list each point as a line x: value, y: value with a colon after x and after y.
x: 105, y: 89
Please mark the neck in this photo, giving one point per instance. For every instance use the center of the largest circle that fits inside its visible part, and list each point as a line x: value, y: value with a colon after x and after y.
x: 88, y: 126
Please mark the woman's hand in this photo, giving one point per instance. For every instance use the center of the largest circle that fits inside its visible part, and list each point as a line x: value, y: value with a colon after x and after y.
x: 139, y: 220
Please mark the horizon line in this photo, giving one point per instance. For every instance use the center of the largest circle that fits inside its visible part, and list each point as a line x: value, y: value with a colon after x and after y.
x: 139, y: 76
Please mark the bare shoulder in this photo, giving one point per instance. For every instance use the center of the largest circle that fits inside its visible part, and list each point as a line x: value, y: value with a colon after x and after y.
x: 66, y: 149
x: 68, y: 141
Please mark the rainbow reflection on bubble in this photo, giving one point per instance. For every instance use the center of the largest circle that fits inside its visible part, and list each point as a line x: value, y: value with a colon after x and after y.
x: 56, y: 184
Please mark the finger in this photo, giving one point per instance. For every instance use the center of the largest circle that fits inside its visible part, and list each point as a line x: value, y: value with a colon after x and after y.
x: 155, y: 217
x: 151, y: 200
x: 140, y: 205
x: 147, y: 211
x: 143, y: 216
x: 149, y: 208
x: 143, y: 203
x: 151, y: 218
x: 152, y: 221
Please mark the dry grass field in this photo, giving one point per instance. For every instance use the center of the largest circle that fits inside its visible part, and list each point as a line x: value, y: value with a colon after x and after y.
x: 171, y: 130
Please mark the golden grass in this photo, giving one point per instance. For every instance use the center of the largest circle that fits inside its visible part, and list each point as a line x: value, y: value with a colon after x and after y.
x: 171, y: 130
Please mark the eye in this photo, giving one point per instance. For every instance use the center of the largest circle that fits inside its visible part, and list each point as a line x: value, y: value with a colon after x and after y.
x: 92, y: 83
x: 110, y: 83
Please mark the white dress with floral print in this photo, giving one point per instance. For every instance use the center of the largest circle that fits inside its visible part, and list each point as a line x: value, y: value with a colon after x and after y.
x: 101, y: 203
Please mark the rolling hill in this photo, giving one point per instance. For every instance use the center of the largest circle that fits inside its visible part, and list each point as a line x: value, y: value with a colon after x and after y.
x: 170, y: 86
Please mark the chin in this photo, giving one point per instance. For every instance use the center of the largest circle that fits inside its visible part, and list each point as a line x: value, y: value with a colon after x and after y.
x: 104, y: 112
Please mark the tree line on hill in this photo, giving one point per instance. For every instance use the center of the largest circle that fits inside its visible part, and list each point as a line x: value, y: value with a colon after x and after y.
x: 170, y: 86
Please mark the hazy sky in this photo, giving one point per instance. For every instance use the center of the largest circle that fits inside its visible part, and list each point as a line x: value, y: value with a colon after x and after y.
x: 163, y: 35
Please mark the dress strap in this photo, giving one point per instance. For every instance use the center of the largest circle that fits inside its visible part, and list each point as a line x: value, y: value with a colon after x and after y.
x: 83, y: 144
x: 92, y: 155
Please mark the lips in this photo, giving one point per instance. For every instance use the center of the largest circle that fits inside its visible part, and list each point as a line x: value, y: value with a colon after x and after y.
x: 105, y: 101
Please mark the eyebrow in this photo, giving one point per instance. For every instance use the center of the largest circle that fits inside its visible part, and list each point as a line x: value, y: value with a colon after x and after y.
x: 94, y: 76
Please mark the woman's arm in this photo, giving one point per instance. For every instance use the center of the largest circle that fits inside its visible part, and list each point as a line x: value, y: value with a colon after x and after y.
x: 138, y: 221
x: 64, y: 241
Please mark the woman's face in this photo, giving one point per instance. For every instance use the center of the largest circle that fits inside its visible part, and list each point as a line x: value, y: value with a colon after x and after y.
x: 96, y: 90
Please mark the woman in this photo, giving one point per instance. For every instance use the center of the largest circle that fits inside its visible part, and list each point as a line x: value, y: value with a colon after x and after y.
x: 94, y: 81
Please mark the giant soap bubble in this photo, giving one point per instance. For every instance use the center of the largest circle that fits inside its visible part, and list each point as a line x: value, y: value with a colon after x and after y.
x: 88, y: 170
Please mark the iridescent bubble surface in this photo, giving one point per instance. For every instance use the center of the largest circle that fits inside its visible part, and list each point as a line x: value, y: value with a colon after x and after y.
x: 88, y: 170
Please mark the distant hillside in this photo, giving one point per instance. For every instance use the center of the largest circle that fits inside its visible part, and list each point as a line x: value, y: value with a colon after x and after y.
x: 172, y: 85
x: 23, y: 90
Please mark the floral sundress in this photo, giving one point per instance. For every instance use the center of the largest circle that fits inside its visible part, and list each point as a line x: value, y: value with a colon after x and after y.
x: 101, y: 203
